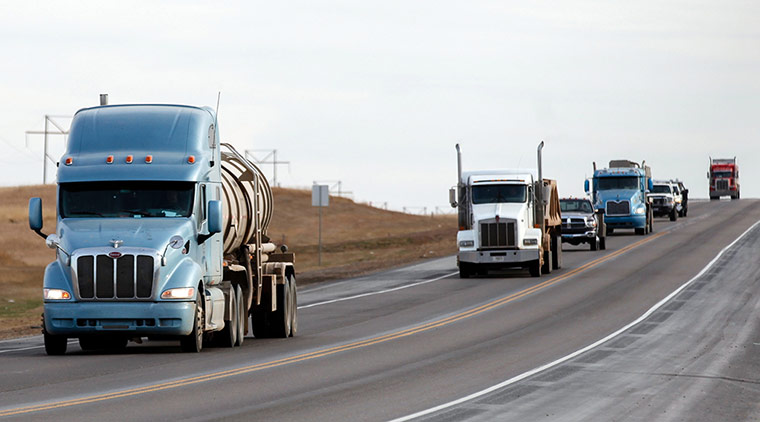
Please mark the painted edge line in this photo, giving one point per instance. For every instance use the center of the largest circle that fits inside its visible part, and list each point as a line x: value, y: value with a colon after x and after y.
x: 563, y: 359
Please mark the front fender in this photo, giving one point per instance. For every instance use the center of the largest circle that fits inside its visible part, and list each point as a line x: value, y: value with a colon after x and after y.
x: 187, y: 273
x: 56, y: 278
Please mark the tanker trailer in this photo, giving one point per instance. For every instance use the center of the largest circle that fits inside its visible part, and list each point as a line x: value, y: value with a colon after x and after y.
x: 161, y: 234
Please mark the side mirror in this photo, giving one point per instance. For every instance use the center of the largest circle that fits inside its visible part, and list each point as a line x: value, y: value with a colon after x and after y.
x: 214, y: 216
x: 35, y: 215
x: 586, y: 186
x: 708, y: 174
x: 650, y: 185
x: 453, y: 197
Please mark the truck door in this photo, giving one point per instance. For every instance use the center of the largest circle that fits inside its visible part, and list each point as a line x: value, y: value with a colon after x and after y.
x: 211, y: 249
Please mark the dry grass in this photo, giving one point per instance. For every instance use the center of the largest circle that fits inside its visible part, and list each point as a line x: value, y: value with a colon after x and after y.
x: 356, y: 239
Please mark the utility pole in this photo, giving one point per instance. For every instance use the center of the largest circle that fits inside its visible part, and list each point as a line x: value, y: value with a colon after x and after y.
x: 49, y: 120
x: 271, y: 153
x: 336, y: 187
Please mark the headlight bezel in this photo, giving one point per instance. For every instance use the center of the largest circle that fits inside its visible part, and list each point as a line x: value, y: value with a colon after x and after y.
x: 178, y: 293
x: 466, y: 243
x: 56, y: 294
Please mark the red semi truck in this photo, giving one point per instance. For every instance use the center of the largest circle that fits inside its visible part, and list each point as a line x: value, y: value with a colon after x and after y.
x: 724, y: 178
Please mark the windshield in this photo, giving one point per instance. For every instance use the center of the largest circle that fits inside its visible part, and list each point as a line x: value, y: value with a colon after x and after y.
x: 126, y: 199
x: 607, y: 183
x: 722, y: 174
x: 661, y: 189
x: 575, y: 205
x: 494, y: 194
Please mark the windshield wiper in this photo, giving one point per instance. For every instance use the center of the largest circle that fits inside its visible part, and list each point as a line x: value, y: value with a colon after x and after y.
x: 138, y: 212
x: 74, y: 214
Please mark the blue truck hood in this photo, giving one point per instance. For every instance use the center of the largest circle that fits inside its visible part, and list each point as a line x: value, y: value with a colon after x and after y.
x: 632, y: 195
x: 153, y: 233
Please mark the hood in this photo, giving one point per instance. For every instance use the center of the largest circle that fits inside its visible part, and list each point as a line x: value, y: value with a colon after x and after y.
x: 153, y: 233
x: 576, y: 214
x: 514, y: 210
x: 618, y: 195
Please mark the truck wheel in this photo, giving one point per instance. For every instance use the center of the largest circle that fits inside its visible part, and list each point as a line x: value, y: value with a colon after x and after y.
x: 535, y: 268
x: 547, y: 268
x: 293, y: 306
x: 674, y: 215
x: 260, y: 323
x: 228, y: 336
x: 714, y: 198
x: 610, y: 230
x: 55, y: 345
x: 242, y: 316
x: 280, y: 327
x: 193, y: 342
x: 592, y: 242
x: 557, y: 252
x: 641, y: 231
x: 464, y: 270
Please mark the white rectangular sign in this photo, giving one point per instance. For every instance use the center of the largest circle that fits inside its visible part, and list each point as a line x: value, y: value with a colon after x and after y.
x: 320, y: 195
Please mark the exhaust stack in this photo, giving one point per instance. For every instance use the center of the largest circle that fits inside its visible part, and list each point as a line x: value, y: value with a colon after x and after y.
x: 103, y: 99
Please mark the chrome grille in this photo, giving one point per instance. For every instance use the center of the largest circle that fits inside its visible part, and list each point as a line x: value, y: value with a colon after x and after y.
x: 495, y: 235
x: 126, y: 277
x: 721, y: 185
x: 618, y: 208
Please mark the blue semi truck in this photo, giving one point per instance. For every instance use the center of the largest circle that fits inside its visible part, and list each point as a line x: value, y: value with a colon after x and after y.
x: 620, y: 191
x: 161, y: 232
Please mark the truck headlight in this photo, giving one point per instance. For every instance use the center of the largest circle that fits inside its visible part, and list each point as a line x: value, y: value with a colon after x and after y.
x: 178, y: 293
x: 466, y: 243
x: 641, y: 210
x: 55, y: 294
x: 530, y: 242
x: 591, y: 222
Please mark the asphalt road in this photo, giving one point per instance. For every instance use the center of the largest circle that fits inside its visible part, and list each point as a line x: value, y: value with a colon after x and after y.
x: 420, y: 341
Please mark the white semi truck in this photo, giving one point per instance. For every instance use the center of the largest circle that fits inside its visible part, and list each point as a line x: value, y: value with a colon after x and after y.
x: 507, y: 218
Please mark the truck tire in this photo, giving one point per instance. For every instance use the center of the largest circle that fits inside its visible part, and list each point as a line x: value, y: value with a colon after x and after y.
x: 464, y: 270
x: 593, y: 243
x: 602, y: 243
x: 557, y: 252
x: 610, y: 230
x: 228, y: 336
x: 674, y: 215
x: 641, y: 231
x: 714, y: 198
x: 535, y: 268
x: 242, y: 316
x: 55, y: 345
x: 547, y: 267
x: 293, y: 306
x: 193, y: 342
x: 260, y: 323
x: 280, y: 319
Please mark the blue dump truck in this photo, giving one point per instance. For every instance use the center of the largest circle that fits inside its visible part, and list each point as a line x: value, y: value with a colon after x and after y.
x: 161, y: 232
x: 620, y: 191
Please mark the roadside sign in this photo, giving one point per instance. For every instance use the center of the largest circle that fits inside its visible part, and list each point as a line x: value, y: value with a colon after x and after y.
x: 320, y: 195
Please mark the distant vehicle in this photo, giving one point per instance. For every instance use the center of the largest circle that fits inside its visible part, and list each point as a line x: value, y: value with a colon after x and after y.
x: 684, y: 196
x: 666, y: 200
x: 507, y: 218
x: 620, y: 192
x: 581, y: 224
x: 724, y: 178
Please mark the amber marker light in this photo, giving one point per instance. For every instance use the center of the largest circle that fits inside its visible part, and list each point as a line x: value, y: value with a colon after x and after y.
x: 109, y: 159
x: 129, y: 159
x: 148, y: 159
x: 69, y: 161
x: 191, y: 159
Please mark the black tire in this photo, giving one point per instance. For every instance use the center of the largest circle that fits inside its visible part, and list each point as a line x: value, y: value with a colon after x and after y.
x: 602, y: 243
x: 464, y: 270
x: 293, y: 306
x: 593, y: 244
x: 674, y: 215
x: 260, y: 323
x: 535, y: 268
x: 547, y: 267
x: 193, y: 342
x: 610, y: 230
x: 280, y: 322
x: 55, y: 345
x: 227, y: 337
x: 242, y: 316
x: 714, y: 198
x: 641, y: 231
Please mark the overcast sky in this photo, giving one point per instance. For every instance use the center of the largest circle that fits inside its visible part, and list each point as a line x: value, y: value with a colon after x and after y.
x: 376, y: 93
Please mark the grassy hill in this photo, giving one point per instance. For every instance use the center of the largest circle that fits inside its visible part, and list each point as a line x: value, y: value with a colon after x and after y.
x: 356, y: 239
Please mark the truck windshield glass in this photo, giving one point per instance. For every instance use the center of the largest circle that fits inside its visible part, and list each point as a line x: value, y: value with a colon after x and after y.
x: 607, y: 183
x: 126, y: 199
x: 661, y: 189
x: 494, y: 194
x: 722, y: 174
x: 575, y: 205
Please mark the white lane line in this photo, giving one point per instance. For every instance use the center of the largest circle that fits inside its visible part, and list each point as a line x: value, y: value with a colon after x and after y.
x: 30, y: 348
x: 578, y: 352
x: 405, y: 286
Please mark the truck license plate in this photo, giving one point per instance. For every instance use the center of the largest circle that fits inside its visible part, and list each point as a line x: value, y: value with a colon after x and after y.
x: 497, y: 258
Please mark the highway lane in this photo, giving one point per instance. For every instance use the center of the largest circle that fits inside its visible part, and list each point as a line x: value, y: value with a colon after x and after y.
x: 383, y: 355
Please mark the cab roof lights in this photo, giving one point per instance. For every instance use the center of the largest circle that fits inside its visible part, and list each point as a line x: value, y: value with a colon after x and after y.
x: 129, y: 159
x: 191, y: 159
x: 148, y: 159
x: 109, y: 159
x: 69, y: 161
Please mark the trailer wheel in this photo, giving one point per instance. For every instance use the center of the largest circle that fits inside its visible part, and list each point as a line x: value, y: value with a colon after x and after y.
x: 228, y: 336
x: 593, y: 243
x: 193, y: 342
x: 260, y: 323
x: 55, y: 345
x: 280, y: 323
x: 242, y: 316
x: 535, y: 268
x: 674, y: 215
x: 293, y: 306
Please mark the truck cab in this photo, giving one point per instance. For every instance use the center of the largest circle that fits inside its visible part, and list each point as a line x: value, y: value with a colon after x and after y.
x: 620, y: 192
x: 724, y: 178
